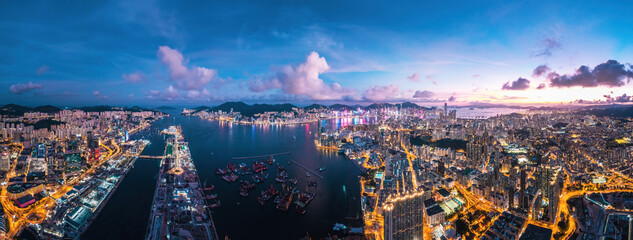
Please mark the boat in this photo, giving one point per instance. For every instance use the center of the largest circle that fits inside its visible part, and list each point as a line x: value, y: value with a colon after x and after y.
x: 321, y: 169
x: 260, y: 200
x: 269, y: 193
x: 243, y: 193
x: 230, y: 178
x: 285, y: 201
x: 293, y: 181
x: 220, y: 171
x: 300, y: 210
x: 208, y: 187
x: 339, y: 227
x: 212, y: 196
x: 282, y: 177
x: 216, y: 204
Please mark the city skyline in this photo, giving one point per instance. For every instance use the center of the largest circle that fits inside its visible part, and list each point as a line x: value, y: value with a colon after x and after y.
x: 157, y: 53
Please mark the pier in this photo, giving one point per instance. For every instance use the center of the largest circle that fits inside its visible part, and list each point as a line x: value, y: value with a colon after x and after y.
x: 307, y: 169
x: 262, y: 156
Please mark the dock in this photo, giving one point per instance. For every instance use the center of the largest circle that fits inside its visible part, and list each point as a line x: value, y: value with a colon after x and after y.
x: 262, y: 156
x: 307, y: 169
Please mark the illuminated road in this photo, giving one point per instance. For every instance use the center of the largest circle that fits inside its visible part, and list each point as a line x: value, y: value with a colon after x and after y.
x: 41, y: 208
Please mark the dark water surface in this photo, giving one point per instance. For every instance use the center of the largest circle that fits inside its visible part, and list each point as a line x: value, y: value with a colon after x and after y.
x: 212, y: 145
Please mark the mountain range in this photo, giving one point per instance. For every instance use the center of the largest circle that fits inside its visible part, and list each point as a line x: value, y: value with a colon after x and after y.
x: 251, y: 110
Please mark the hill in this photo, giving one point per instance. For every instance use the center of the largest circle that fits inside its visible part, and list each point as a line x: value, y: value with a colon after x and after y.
x: 14, y: 110
x: 105, y: 108
x: 47, y: 109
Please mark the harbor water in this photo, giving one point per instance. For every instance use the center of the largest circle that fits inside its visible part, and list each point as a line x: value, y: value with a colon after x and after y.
x: 213, y: 144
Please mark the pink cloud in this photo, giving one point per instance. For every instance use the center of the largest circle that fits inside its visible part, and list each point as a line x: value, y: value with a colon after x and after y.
x: 183, y: 77
x: 41, y: 70
x: 414, y: 77
x: 20, y: 88
x: 302, y: 80
x: 381, y: 93
x: 134, y: 77
x: 99, y: 95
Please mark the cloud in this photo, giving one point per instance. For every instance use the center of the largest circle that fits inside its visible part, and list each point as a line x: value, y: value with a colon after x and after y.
x: 196, y: 94
x: 134, y: 77
x: 99, y: 95
x: 41, y: 70
x: 423, y: 94
x: 519, y: 84
x: 540, y: 70
x: 301, y: 80
x: 608, y: 74
x: 414, y: 78
x: 618, y: 99
x: 184, y: 78
x: 541, y: 86
x: 20, y: 88
x: 381, y: 93
x: 452, y: 98
x: 548, y: 46
x: 171, y: 93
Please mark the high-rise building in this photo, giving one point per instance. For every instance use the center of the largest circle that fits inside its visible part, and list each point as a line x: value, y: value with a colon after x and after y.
x: 522, y: 183
x: 474, y: 153
x: 5, y: 161
x: 403, y: 216
x: 550, y: 182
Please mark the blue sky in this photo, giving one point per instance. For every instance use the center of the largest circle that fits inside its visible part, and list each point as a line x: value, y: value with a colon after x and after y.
x: 206, y: 52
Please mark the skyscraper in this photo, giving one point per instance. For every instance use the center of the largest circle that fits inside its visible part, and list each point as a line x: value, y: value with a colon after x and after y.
x: 522, y: 187
x: 403, y: 217
x: 5, y: 163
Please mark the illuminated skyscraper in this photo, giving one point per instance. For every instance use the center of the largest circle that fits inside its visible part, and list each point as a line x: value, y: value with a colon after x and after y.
x: 403, y: 217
